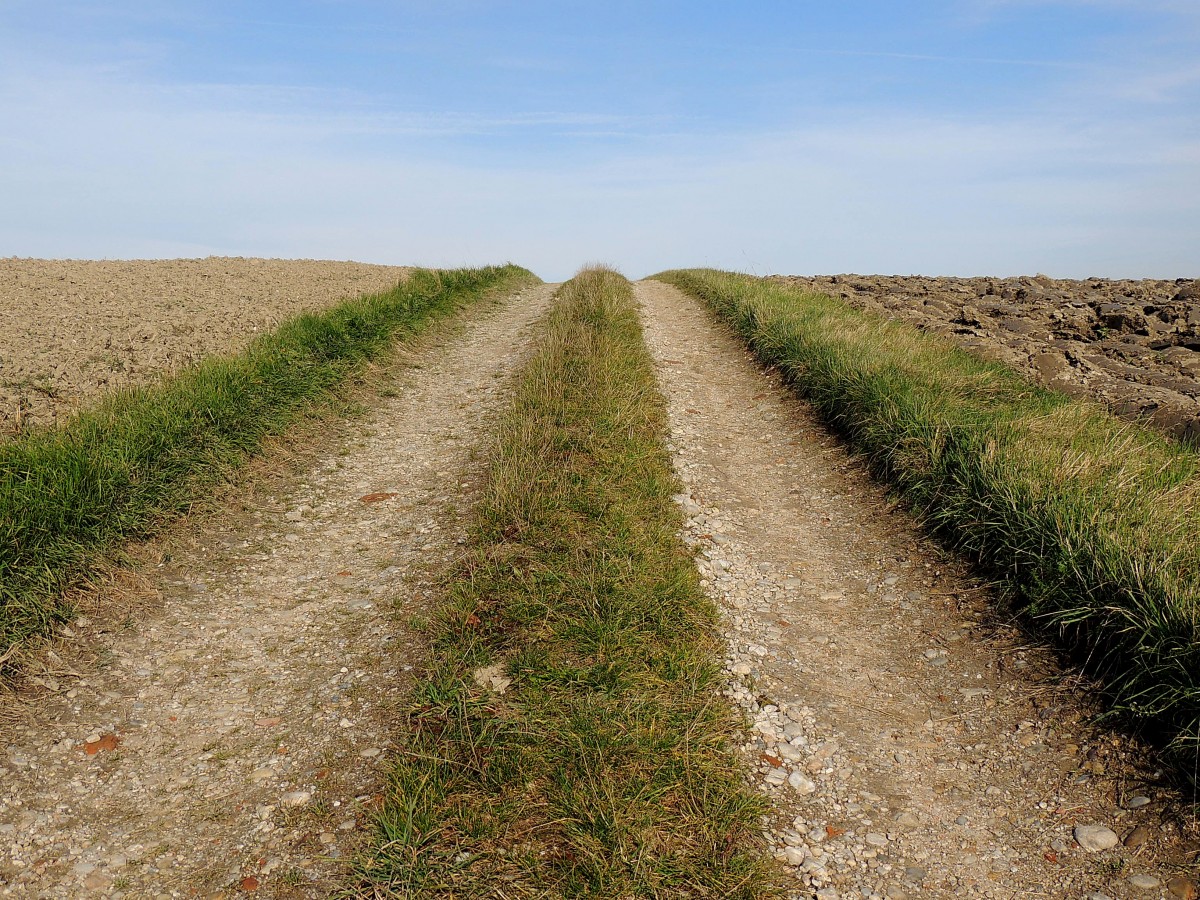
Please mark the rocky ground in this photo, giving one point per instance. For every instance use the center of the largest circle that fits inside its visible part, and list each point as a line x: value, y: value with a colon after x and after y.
x: 74, y: 329
x: 232, y: 737
x: 914, y: 744
x: 1133, y: 345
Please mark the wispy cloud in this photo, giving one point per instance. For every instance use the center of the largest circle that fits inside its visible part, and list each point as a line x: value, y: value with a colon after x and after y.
x: 1085, y: 168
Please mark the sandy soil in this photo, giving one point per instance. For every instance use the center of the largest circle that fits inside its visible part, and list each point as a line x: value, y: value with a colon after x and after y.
x: 73, y: 329
x: 913, y: 745
x: 1132, y: 345
x: 234, y: 738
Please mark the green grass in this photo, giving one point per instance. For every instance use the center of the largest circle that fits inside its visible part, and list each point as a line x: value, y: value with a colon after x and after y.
x: 1094, y: 523
x: 605, y: 770
x: 116, y: 471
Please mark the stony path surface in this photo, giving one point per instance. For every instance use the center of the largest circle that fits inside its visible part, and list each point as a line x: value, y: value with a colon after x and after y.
x: 912, y: 746
x: 236, y: 738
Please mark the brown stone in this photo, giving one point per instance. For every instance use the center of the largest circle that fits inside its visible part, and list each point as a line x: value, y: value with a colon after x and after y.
x: 1140, y: 835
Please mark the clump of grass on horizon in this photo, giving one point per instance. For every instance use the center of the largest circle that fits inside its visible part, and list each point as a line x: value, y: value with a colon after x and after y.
x: 605, y: 770
x: 1093, y: 522
x: 116, y: 470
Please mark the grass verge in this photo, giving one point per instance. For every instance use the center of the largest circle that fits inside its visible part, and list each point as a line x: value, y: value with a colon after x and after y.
x: 1094, y: 523
x: 115, y: 471
x: 604, y: 768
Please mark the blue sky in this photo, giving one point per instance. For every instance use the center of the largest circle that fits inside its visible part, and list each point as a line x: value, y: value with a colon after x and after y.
x: 951, y: 137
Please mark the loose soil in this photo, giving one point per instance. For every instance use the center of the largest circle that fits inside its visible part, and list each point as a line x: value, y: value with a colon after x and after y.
x: 73, y: 329
x: 1132, y: 345
x: 913, y: 742
x: 234, y: 736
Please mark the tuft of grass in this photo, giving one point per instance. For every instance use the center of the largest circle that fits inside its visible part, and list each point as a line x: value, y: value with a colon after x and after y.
x: 116, y: 471
x: 1094, y: 523
x: 605, y: 769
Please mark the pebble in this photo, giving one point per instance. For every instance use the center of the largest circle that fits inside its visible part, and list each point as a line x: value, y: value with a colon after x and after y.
x: 802, y: 784
x: 1183, y: 888
x: 1095, y: 838
x: 1140, y: 835
x: 1143, y: 882
x: 1137, y: 802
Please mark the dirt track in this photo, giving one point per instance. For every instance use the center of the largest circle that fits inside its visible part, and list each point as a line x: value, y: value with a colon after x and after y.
x: 1132, y: 345
x: 913, y: 744
x: 73, y: 329
x: 237, y: 739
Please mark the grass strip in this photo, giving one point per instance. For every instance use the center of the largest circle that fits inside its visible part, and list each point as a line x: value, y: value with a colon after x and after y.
x: 1093, y: 523
x: 116, y: 470
x: 604, y: 769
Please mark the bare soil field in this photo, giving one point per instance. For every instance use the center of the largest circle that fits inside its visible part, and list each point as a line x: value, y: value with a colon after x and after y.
x: 1132, y: 345
x: 73, y: 329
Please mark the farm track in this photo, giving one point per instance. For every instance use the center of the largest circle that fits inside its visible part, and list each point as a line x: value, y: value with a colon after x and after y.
x: 912, y: 744
x: 236, y: 736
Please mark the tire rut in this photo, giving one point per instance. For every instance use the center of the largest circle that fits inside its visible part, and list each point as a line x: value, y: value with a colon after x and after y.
x: 912, y: 744
x: 238, y: 737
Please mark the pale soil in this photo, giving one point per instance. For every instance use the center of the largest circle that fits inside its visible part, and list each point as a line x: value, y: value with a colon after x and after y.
x: 913, y: 744
x: 73, y: 329
x: 242, y: 725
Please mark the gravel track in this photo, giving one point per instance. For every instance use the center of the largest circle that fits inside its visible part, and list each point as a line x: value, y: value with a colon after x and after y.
x: 237, y: 737
x: 912, y: 745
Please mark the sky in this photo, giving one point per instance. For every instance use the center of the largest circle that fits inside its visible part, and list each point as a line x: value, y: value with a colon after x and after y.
x: 938, y: 137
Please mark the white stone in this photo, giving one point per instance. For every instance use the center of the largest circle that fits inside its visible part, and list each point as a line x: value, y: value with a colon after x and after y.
x: 1095, y: 838
x: 801, y: 784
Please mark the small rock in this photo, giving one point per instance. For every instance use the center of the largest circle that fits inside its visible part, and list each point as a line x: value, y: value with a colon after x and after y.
x: 96, y: 882
x: 875, y: 839
x: 801, y: 784
x: 295, y: 798
x: 915, y: 874
x: 1143, y: 882
x: 1095, y: 838
x: 1140, y: 835
x: 1182, y: 888
x: 370, y: 752
x: 1137, y: 802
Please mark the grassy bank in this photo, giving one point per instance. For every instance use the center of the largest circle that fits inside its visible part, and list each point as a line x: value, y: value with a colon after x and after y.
x: 603, y: 769
x: 115, y: 471
x: 1094, y: 523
